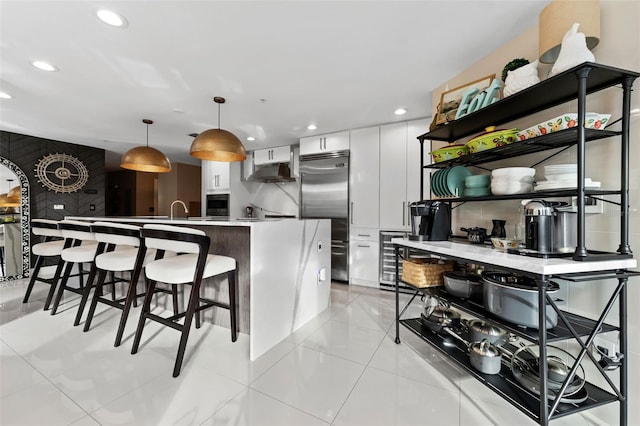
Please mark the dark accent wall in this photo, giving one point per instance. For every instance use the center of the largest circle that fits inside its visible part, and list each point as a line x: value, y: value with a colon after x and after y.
x: 25, y: 151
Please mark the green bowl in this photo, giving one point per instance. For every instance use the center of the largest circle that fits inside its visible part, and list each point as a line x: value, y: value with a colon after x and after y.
x: 477, y: 181
x: 477, y: 192
x: 449, y: 152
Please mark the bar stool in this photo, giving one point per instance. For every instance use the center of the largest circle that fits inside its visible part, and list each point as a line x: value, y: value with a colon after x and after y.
x: 189, y: 268
x: 51, y: 247
x: 82, y: 250
x: 120, y: 249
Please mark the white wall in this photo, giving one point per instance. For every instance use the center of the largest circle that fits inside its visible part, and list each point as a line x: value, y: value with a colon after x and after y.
x: 620, y: 47
x: 269, y: 198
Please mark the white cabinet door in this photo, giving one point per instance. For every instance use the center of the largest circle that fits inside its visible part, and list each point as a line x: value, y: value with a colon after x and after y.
x: 281, y: 154
x: 336, y: 142
x: 364, y: 177
x: 215, y: 176
x: 324, y: 143
x: 363, y: 265
x: 393, y: 176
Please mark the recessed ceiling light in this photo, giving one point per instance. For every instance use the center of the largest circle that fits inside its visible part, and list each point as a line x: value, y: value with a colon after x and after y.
x: 312, y: 127
x: 251, y: 138
x: 4, y: 95
x: 111, y: 18
x: 44, y: 66
x: 400, y: 111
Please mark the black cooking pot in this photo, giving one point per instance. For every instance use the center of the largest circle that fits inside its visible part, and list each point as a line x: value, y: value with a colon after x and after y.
x: 476, y: 235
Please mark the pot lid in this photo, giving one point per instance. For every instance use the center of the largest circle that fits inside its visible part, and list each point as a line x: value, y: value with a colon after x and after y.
x: 442, y: 313
x: 485, y: 328
x: 485, y: 348
x: 516, y: 281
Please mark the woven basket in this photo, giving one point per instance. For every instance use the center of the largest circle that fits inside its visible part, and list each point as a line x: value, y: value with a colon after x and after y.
x: 420, y: 272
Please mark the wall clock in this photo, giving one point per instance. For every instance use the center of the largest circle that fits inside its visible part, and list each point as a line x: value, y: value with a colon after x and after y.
x: 61, y: 173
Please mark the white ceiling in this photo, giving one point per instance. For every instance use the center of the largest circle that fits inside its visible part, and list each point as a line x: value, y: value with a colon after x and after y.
x: 280, y: 64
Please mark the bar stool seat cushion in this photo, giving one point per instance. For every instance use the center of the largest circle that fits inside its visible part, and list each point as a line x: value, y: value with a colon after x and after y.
x: 123, y: 258
x: 181, y: 269
x: 50, y: 248
x: 85, y: 252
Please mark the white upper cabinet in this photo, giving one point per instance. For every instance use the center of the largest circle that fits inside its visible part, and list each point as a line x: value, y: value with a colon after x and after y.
x: 399, y: 172
x: 416, y: 128
x: 324, y: 143
x: 280, y: 154
x: 364, y: 177
x: 215, y: 176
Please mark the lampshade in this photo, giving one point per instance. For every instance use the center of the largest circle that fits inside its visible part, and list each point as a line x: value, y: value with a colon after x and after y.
x: 6, y: 201
x: 558, y: 18
x: 146, y: 158
x: 218, y: 144
x: 14, y: 194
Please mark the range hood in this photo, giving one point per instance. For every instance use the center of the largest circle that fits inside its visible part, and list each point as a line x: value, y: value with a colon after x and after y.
x: 277, y: 172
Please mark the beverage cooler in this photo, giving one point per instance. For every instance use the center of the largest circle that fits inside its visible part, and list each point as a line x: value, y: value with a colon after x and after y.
x: 388, y: 260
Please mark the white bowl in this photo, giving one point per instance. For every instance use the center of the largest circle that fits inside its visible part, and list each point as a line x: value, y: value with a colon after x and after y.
x: 511, y: 187
x: 523, y: 179
x: 514, y: 172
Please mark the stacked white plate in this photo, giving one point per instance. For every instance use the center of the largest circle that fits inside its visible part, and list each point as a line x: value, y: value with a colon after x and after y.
x: 562, y: 176
x: 564, y: 172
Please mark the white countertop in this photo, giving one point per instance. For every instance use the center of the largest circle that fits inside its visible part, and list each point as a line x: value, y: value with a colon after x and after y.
x: 182, y: 221
x: 491, y: 256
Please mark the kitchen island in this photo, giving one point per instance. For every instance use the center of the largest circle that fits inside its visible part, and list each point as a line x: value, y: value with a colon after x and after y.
x: 283, y: 276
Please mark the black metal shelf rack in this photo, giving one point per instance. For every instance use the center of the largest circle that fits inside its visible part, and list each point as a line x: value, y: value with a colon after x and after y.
x: 573, y: 84
x: 503, y: 383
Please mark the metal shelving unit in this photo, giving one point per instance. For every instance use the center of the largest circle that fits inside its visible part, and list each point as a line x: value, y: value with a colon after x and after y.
x: 575, y: 83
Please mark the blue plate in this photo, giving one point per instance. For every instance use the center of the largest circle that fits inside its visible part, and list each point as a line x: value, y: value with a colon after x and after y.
x: 455, y: 180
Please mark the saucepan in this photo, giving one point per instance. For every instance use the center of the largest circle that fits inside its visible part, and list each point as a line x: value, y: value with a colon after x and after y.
x: 481, y: 330
x: 438, y: 318
x: 483, y: 355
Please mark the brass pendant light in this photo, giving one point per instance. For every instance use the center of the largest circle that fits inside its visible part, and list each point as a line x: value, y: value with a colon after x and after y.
x: 146, y: 158
x: 218, y: 144
x: 12, y: 198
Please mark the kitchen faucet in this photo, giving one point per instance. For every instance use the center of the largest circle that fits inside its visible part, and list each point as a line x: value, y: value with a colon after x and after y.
x: 184, y: 206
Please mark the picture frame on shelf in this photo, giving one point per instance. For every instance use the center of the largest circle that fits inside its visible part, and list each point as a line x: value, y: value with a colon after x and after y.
x: 450, y: 100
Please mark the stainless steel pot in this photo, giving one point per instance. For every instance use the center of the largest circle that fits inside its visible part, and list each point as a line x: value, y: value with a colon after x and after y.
x: 464, y: 285
x: 483, y: 356
x: 481, y: 330
x: 515, y: 299
x: 439, y: 318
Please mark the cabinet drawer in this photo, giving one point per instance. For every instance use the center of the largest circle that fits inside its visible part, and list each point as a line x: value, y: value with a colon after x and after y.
x: 364, y: 234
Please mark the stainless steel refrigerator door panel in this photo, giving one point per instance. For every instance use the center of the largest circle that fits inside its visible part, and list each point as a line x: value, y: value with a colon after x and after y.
x: 324, y: 188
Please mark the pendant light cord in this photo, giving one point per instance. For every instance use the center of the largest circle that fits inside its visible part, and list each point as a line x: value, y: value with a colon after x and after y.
x: 147, y: 135
x: 218, y: 116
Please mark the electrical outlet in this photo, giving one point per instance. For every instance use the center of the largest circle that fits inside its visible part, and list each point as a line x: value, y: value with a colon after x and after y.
x: 591, y: 205
x: 322, y: 275
x: 608, y: 345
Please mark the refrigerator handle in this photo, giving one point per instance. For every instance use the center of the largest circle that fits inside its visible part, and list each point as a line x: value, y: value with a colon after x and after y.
x: 351, y: 214
x: 403, y: 213
x: 320, y: 144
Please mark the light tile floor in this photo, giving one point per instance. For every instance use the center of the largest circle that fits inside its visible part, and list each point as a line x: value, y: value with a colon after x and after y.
x: 342, y: 368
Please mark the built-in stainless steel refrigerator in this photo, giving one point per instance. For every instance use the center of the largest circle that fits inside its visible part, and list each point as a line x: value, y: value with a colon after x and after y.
x: 324, y: 193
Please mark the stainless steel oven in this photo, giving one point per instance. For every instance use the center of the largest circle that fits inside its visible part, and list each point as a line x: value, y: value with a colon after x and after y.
x: 217, y: 204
